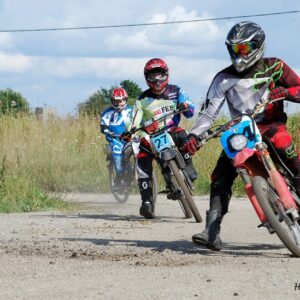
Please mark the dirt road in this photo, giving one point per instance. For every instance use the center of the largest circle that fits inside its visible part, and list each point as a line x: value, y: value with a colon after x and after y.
x: 106, y: 251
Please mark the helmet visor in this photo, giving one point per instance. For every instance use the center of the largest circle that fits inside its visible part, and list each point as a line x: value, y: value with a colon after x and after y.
x: 157, y: 77
x: 242, y: 49
x: 119, y: 102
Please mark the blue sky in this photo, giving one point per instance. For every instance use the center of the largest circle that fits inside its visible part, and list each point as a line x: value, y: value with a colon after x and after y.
x: 62, y: 69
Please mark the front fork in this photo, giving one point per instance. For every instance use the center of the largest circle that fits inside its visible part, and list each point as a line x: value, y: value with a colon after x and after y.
x: 251, y: 195
x: 278, y: 183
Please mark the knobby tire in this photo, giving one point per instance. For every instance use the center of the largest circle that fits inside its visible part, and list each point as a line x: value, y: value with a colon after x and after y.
x: 263, y: 192
x: 187, y: 200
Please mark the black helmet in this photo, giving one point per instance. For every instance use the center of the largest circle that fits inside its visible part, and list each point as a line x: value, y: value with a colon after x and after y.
x: 246, y: 45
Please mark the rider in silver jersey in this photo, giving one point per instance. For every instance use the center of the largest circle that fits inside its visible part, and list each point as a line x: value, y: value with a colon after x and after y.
x: 242, y: 85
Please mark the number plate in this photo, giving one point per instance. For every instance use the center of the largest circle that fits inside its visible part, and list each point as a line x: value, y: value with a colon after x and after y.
x: 245, y: 127
x: 161, y: 141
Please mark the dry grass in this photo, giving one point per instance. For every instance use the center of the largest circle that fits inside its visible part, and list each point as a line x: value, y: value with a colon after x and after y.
x: 67, y: 155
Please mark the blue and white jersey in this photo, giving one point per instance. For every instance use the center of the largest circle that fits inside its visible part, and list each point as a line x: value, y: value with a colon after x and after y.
x: 115, y: 121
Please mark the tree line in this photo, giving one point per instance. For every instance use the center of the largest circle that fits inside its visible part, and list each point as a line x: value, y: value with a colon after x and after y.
x: 101, y: 98
x: 12, y: 102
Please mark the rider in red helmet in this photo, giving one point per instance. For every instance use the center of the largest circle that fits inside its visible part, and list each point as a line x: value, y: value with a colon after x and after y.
x: 113, y: 125
x: 119, y: 98
x: 153, y: 103
x: 156, y: 73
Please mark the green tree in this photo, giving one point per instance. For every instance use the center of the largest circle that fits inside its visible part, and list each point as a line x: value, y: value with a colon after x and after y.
x: 12, y: 102
x: 94, y: 104
x: 99, y: 100
x: 132, y: 89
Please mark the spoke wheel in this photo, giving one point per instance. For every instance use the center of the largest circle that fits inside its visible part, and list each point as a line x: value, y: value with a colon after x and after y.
x: 121, y: 194
x: 187, y: 201
x: 287, y: 230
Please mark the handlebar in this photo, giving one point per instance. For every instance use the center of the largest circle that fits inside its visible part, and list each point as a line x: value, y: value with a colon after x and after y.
x: 170, y: 113
x: 251, y: 113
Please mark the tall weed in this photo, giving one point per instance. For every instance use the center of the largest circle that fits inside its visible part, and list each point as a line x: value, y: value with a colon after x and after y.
x: 65, y: 155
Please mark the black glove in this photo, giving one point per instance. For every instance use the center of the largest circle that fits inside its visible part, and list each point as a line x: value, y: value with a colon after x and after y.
x: 126, y: 136
x: 183, y: 106
x: 110, y: 135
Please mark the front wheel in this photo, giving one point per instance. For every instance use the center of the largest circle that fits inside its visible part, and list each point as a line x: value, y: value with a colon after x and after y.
x: 121, y: 194
x: 287, y: 229
x: 187, y: 200
x: 154, y: 189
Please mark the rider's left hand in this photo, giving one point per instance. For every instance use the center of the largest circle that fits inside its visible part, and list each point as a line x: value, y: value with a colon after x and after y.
x: 278, y: 93
x: 183, y: 106
x: 152, y: 127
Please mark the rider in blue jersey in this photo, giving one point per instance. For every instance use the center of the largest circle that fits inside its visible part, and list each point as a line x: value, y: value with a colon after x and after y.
x: 112, y: 125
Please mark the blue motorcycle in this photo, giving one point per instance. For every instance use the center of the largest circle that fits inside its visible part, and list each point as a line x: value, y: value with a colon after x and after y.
x: 122, y: 187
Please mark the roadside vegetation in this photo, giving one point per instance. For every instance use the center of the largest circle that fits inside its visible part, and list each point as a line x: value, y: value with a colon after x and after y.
x: 67, y: 155
x: 40, y: 158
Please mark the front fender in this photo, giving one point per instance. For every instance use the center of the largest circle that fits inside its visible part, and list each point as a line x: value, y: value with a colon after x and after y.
x: 242, y: 157
x: 167, y: 154
x: 172, y: 153
x: 250, y: 160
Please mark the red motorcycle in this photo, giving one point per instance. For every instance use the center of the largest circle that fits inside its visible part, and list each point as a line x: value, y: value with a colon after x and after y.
x: 268, y: 182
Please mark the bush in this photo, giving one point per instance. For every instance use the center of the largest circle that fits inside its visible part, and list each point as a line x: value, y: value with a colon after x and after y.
x: 12, y: 102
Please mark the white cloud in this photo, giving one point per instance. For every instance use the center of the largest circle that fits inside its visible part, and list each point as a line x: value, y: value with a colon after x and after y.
x: 182, y: 69
x: 6, y: 40
x: 65, y: 64
x: 195, y: 71
x: 107, y: 68
x: 14, y: 63
x: 188, y: 38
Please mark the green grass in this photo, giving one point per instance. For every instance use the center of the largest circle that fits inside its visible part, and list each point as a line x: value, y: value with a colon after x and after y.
x: 67, y: 155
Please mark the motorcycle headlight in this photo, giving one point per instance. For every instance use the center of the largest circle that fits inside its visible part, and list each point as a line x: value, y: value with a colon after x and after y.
x: 238, y: 142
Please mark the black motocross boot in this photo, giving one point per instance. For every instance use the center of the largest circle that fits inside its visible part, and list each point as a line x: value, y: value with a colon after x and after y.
x: 147, y: 208
x: 210, y: 236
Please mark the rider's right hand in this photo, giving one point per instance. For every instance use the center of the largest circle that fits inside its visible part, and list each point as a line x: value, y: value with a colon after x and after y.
x: 126, y: 136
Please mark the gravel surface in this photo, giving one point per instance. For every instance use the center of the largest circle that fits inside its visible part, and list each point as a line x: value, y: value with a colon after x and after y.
x: 105, y: 250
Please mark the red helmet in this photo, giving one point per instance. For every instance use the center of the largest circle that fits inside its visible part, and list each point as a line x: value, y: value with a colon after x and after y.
x: 156, y: 73
x: 119, y: 98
